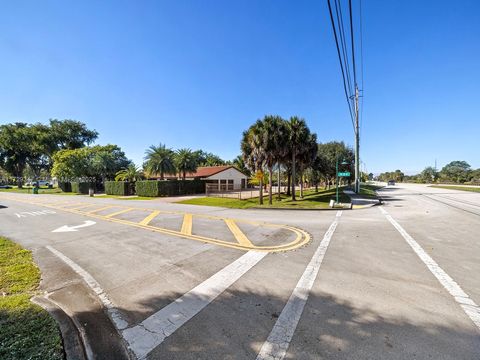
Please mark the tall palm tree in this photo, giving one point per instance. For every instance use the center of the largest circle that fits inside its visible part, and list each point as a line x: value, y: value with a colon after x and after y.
x: 185, y: 160
x: 273, y: 140
x: 307, y: 157
x: 159, y: 160
x: 298, y: 133
x: 253, y: 151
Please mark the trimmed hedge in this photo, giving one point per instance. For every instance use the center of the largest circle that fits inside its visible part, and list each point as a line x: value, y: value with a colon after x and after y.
x: 122, y: 188
x: 80, y: 187
x: 154, y: 188
x: 65, y: 186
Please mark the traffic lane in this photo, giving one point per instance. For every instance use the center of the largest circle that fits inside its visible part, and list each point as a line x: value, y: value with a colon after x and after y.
x: 236, y: 323
x: 374, y: 299
x: 449, y: 235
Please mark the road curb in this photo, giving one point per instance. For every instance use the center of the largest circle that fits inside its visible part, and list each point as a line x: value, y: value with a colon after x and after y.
x: 73, y: 342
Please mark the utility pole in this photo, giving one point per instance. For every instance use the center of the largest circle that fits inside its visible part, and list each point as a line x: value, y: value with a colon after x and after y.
x: 357, y: 144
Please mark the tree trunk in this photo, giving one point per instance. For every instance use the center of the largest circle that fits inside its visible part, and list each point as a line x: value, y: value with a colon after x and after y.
x: 183, y: 174
x: 270, y: 184
x: 301, y: 185
x: 161, y: 175
x: 289, y: 178
x: 279, y: 183
x: 293, y: 176
x: 261, y: 191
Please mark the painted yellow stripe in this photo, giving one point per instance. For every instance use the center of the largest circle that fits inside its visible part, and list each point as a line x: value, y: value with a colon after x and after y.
x: 149, y: 218
x: 100, y: 209
x: 82, y: 207
x: 118, y: 212
x: 187, y: 224
x: 239, y: 235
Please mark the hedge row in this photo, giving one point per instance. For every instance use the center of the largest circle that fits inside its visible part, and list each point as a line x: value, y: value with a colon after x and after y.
x: 80, y: 187
x: 121, y: 188
x: 65, y: 186
x: 153, y: 188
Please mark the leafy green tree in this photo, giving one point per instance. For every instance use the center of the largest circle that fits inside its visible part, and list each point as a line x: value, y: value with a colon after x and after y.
x: 428, y: 175
x: 69, y: 134
x: 253, y: 152
x: 160, y: 160
x: 331, y: 152
x: 306, y: 157
x: 185, y: 161
x: 239, y: 163
x: 208, y: 159
x: 456, y: 171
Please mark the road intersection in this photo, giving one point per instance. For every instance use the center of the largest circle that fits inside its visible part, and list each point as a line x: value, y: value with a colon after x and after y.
x: 391, y: 282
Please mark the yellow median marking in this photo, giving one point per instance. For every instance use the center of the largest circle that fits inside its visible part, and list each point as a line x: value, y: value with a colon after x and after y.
x: 100, y: 209
x: 239, y: 235
x: 149, y: 218
x: 302, y: 237
x: 82, y: 207
x: 118, y: 213
x: 187, y: 224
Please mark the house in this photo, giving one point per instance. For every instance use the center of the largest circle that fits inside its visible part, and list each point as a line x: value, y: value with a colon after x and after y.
x: 220, y: 178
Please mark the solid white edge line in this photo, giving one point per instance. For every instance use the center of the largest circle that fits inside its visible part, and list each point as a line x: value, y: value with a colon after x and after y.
x: 461, y: 297
x: 277, y: 343
x: 113, y: 312
x: 151, y: 332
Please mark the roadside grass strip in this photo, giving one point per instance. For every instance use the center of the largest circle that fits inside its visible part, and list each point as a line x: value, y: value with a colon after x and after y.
x: 461, y: 297
x: 277, y: 343
x: 300, y: 237
x: 26, y: 330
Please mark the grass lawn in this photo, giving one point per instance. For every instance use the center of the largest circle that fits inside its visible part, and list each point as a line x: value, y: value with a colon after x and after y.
x: 368, y: 191
x: 311, y: 200
x: 453, y: 187
x: 29, y: 190
x: 26, y: 330
x: 124, y: 197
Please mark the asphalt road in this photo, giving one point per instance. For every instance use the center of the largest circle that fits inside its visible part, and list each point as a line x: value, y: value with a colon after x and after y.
x: 398, y: 281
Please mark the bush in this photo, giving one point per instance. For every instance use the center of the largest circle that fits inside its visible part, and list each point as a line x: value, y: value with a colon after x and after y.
x: 153, y: 188
x: 65, y: 186
x: 122, y: 188
x: 80, y: 187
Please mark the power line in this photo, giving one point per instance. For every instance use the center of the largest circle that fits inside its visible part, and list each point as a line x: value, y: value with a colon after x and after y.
x: 341, y: 63
x: 353, y: 44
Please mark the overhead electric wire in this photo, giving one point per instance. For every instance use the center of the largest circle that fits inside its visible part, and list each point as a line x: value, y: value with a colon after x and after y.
x: 353, y: 44
x: 338, y: 11
x: 341, y: 64
x: 361, y: 64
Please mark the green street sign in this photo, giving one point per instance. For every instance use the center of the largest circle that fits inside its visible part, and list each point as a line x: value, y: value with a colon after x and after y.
x: 344, y: 174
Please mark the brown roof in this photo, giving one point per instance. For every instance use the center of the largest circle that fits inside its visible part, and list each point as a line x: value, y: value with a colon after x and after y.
x: 206, y: 171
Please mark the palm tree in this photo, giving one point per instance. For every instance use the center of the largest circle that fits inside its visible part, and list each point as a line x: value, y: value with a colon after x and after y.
x: 185, y: 160
x: 253, y: 151
x: 307, y: 157
x: 273, y: 135
x: 159, y: 160
x: 298, y: 133
x: 131, y: 174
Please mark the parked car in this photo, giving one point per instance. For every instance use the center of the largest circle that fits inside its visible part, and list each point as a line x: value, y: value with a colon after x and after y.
x: 43, y: 183
x: 391, y: 182
x: 5, y: 187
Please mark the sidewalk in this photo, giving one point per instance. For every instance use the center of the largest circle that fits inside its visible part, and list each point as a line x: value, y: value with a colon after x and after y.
x: 360, y: 202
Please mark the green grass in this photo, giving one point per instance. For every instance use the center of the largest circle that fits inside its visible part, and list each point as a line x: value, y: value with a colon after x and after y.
x: 29, y: 190
x: 368, y: 191
x: 311, y: 200
x: 453, y: 187
x: 26, y: 330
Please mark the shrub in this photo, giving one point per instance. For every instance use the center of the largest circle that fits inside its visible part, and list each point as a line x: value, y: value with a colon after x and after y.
x: 80, y: 187
x: 155, y: 188
x: 122, y: 188
x: 65, y: 186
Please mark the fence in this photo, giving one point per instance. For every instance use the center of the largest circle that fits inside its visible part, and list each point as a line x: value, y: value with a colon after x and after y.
x: 212, y: 190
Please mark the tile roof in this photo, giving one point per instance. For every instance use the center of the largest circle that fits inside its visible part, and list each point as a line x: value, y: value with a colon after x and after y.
x: 206, y: 171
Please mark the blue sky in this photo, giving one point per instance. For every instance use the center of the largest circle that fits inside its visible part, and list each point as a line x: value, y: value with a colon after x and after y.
x: 195, y: 74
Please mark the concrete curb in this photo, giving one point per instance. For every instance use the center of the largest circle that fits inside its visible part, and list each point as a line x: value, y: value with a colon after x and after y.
x: 73, y: 344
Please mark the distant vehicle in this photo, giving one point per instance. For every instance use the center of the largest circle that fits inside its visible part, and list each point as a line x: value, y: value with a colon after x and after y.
x: 43, y: 183
x: 391, y: 182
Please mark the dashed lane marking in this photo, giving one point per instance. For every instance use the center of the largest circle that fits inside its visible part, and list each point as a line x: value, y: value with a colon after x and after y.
x: 461, y: 297
x: 276, y: 346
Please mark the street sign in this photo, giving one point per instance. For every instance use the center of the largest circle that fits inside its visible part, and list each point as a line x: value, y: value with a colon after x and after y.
x: 344, y: 174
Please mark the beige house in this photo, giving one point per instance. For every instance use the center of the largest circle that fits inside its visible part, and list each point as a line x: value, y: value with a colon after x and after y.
x: 220, y: 177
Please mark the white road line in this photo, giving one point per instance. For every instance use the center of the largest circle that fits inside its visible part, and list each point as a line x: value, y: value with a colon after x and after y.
x: 468, y: 305
x: 114, y: 314
x: 276, y: 346
x: 144, y: 337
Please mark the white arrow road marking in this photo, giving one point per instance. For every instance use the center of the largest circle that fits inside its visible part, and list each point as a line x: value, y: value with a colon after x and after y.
x: 66, y: 228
